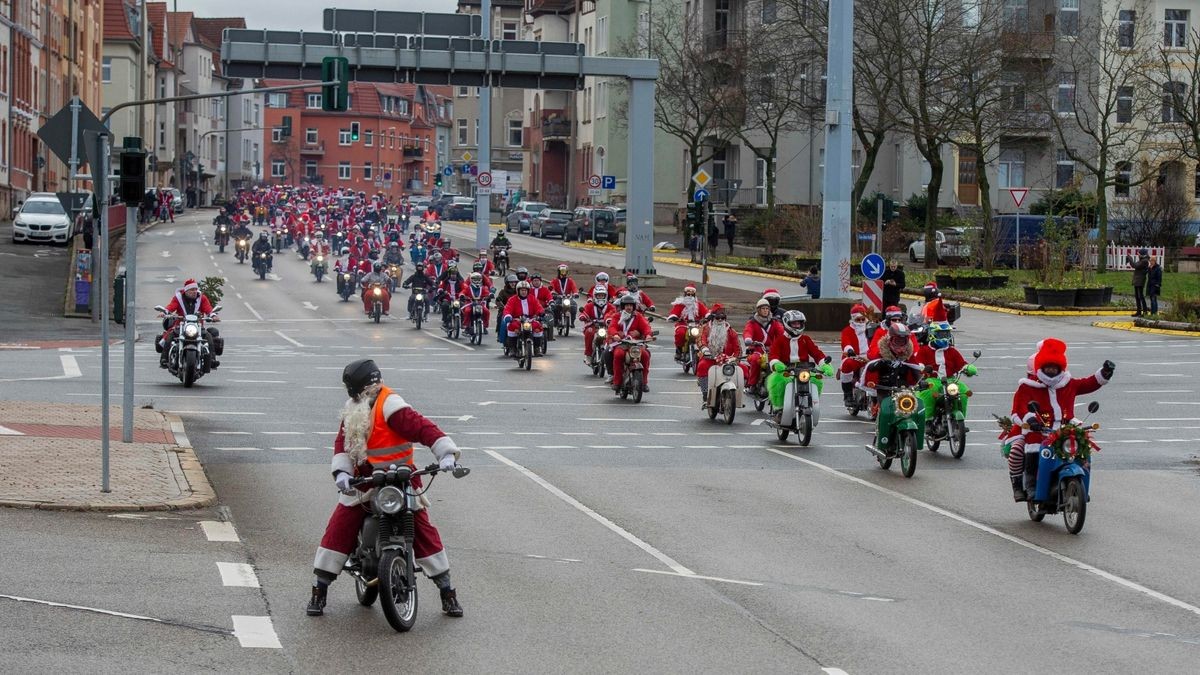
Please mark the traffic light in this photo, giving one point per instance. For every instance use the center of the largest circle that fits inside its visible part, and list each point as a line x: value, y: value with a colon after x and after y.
x: 696, y: 217
x: 354, y: 131
x: 890, y: 210
x: 286, y: 129
x: 335, y: 96
x: 437, y: 180
x: 133, y: 176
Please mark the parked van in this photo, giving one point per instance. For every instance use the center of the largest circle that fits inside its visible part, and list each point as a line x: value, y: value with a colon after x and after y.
x: 1023, y: 232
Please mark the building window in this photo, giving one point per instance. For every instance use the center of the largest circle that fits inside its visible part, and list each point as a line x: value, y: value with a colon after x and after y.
x: 476, y: 132
x: 1064, y: 169
x: 367, y: 171
x: 314, y: 101
x: 277, y: 100
x: 276, y: 135
x: 310, y: 136
x: 1124, y: 175
x: 760, y: 181
x: 1016, y: 15
x: 1172, y: 101
x: 1124, y: 105
x: 464, y: 92
x: 770, y: 11
x: 508, y: 30
x: 516, y: 133
x: 1126, y: 20
x: 1010, y: 170
x: 1012, y: 95
x: 343, y: 170
x: 1175, y: 28
x: 719, y: 164
x: 310, y: 168
x: 277, y: 168
x: 1068, y: 17
x: 1065, y: 102
x: 106, y: 69
x: 349, y: 101
x: 402, y: 106
x: 602, y: 34
x: 343, y: 137
x: 461, y: 127
x: 601, y: 101
x: 368, y: 138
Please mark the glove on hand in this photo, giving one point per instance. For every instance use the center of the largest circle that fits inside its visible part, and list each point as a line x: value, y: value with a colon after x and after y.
x: 447, y: 463
x: 342, y: 481
x: 779, y: 367
x: 1107, y: 369
x: 971, y: 370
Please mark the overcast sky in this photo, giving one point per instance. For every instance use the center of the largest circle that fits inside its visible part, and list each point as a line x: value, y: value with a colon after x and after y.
x: 297, y: 14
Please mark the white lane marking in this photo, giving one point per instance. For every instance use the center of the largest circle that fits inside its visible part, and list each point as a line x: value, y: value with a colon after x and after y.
x: 1164, y: 374
x: 1158, y: 391
x: 214, y: 412
x: 460, y: 379
x: 294, y: 448
x: 239, y: 296
x: 230, y: 433
x: 530, y: 433
x: 1158, y: 419
x: 656, y: 447
x: 218, y: 530
x: 557, y: 447
x: 621, y: 433
x: 282, y: 433
x: 481, y: 433
x: 698, y: 576
x: 528, y: 391
x: 761, y: 420
x: 617, y: 529
x: 607, y: 447
x: 625, y: 419
x: 449, y: 341
x: 294, y: 343
x: 324, y: 387
x: 253, y: 311
x: 255, y: 632
x: 260, y: 381
x: 70, y: 366
x: 1109, y: 576
x: 237, y: 574
x: 834, y: 671
x: 107, y: 612
x: 5, y: 431
x: 1179, y: 403
x: 309, y: 305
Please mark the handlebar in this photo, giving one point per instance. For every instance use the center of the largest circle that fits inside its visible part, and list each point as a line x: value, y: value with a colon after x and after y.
x: 459, y: 471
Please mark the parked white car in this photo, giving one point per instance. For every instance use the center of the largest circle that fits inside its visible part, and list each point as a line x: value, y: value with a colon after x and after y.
x: 952, y: 244
x: 42, y: 218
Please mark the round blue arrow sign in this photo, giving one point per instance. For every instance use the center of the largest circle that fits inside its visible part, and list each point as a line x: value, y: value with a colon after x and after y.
x: 872, y: 266
x: 700, y: 195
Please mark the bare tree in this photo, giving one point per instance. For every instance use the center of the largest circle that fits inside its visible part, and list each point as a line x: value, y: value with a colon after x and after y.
x: 1105, y: 107
x: 287, y: 151
x: 1155, y: 213
x: 1177, y: 73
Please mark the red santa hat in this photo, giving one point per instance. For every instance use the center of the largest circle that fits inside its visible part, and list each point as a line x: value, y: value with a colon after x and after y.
x: 1051, y: 352
x: 858, y: 310
x: 770, y: 293
x: 717, y: 308
x: 690, y: 286
x: 190, y: 284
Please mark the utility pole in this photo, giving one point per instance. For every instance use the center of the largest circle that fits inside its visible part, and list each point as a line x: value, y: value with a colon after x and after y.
x: 837, y: 211
x: 483, y: 202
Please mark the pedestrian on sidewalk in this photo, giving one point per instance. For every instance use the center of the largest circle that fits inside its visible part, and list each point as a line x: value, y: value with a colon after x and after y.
x: 812, y: 283
x: 149, y: 205
x: 693, y: 244
x: 893, y: 284
x: 1141, y: 267
x: 714, y: 238
x: 730, y: 222
x: 1154, y: 284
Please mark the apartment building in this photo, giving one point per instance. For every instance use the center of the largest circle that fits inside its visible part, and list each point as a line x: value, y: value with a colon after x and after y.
x: 396, y: 152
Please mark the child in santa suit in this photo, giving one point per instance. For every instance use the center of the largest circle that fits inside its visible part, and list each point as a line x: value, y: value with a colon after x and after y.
x: 1051, y: 387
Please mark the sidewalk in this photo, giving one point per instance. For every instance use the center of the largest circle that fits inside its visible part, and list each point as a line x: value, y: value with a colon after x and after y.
x: 50, y: 459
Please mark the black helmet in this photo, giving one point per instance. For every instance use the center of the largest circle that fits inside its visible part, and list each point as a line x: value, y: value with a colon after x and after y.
x: 262, y: 235
x: 522, y: 273
x: 359, y: 375
x: 511, y: 279
x: 627, y: 300
x: 378, y: 267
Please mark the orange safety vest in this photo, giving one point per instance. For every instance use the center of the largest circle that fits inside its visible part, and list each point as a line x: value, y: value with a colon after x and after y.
x: 384, y: 446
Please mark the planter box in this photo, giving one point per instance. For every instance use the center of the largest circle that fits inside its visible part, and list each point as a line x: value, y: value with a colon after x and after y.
x: 803, y: 264
x: 999, y: 280
x: 972, y: 283
x: 944, y: 281
x: 1093, y: 297
x: 1031, y: 296
x: 773, y: 259
x: 1053, y: 297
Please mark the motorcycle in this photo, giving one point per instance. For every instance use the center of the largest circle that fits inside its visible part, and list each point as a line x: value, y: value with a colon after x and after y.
x: 863, y: 398
x: 222, y: 237
x: 319, y: 267
x: 688, y: 357
x: 302, y: 247
x: 277, y: 239
x: 262, y: 263
x: 500, y: 260
x: 383, y: 563
x: 525, y: 344
x: 596, y: 360
x: 801, y: 403
x: 1058, y: 476
x: 242, y: 249
x: 477, y: 308
x: 900, y: 429
x: 376, y: 292
x: 564, y: 314
x: 631, y: 378
x: 453, y: 319
x: 420, y: 308
x: 947, y: 416
x: 347, y: 282
x: 725, y: 383
x: 190, y: 355
x: 394, y: 272
x: 758, y: 393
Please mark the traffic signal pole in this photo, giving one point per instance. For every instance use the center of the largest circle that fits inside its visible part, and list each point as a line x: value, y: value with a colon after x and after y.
x: 878, y: 247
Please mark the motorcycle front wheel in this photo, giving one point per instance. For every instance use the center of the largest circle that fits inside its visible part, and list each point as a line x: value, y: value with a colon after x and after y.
x: 190, y: 368
x: 958, y: 439
x: 1074, y: 506
x: 713, y: 409
x: 262, y: 273
x: 637, y: 388
x: 729, y: 405
x: 908, y: 453
x: 398, y: 593
x: 804, y: 434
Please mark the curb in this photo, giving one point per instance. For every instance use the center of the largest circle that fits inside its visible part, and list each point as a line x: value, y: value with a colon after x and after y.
x: 1129, y: 326
x: 189, y: 474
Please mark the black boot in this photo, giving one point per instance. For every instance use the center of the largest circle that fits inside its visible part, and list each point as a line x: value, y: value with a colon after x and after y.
x: 162, y: 359
x: 848, y: 392
x: 316, y: 605
x: 450, y: 606
x: 1018, y: 486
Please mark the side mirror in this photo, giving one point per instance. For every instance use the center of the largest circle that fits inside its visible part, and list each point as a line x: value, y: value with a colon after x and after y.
x: 460, y: 471
x: 216, y: 309
x: 161, y: 308
x: 851, y: 353
x: 653, y: 333
x: 976, y: 353
x: 1093, y: 407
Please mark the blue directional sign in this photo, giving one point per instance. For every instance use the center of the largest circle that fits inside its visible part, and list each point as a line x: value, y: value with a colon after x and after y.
x: 700, y: 195
x: 608, y: 182
x: 872, y: 266
x: 447, y: 171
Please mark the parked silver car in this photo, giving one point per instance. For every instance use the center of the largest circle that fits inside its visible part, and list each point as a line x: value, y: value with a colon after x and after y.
x: 522, y: 217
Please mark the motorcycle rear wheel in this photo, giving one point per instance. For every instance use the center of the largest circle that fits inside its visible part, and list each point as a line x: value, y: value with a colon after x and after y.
x: 714, y: 409
x: 190, y: 368
x: 804, y: 434
x: 366, y: 594
x: 759, y: 404
x: 908, y: 453
x: 398, y: 592
x: 1074, y: 506
x: 729, y: 405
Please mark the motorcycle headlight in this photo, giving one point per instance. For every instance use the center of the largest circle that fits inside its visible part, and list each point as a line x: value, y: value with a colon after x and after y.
x: 952, y: 390
x: 728, y: 369
x: 566, y: 302
x: 695, y: 332
x: 263, y: 256
x: 602, y: 333
x: 378, y: 292
x: 320, y: 258
x: 526, y: 326
x: 454, y: 304
x: 191, y: 330
x: 906, y: 404
x: 804, y: 376
x: 389, y: 500
x: 346, y: 276
x: 420, y: 296
x: 222, y: 229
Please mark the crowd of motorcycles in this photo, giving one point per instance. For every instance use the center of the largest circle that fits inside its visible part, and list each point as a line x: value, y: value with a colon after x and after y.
x: 931, y: 414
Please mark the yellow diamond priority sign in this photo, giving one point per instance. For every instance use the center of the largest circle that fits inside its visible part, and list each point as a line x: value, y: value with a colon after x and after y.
x: 466, y: 156
x: 701, y: 178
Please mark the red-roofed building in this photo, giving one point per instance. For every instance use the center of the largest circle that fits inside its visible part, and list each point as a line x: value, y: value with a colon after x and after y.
x: 128, y: 69
x: 397, y: 151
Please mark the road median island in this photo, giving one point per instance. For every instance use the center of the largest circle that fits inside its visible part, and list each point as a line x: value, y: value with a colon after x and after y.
x: 1152, y: 327
x: 50, y: 459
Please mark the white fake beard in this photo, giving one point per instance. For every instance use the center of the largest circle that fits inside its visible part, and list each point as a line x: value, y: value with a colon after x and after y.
x: 357, y: 420
x: 689, y: 302
x: 859, y: 328
x: 718, y: 335
x: 1053, y: 382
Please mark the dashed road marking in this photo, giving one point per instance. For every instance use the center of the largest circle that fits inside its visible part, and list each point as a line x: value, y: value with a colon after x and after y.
x: 692, y: 575
x: 253, y: 311
x: 255, y: 632
x: 237, y: 574
x: 294, y: 342
x: 217, y: 530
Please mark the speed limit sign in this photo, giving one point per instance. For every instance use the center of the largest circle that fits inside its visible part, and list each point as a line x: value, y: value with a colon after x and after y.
x: 484, y: 179
x: 594, y: 182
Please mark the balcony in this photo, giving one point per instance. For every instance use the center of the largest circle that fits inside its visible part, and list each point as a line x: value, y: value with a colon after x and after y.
x: 556, y: 129
x: 718, y: 41
x: 1028, y: 124
x: 314, y: 178
x: 1021, y: 44
x: 414, y: 154
x: 537, y: 8
x: 317, y: 148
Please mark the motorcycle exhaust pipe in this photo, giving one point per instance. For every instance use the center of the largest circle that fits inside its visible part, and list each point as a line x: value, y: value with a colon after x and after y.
x: 876, y: 451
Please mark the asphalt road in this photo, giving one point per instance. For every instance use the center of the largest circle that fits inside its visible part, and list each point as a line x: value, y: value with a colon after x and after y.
x: 595, y: 535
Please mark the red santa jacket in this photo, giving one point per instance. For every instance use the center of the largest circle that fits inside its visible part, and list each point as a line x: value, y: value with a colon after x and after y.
x: 612, y: 291
x: 563, y: 286
x: 176, y: 305
x: 319, y: 247
x: 1056, y: 403
x: 635, y: 326
x: 678, y: 308
x: 934, y: 311
x: 592, y: 312
x: 946, y: 362
x: 480, y: 292
x: 435, y: 271
x: 756, y: 332
x: 787, y: 350
x: 404, y: 422
x: 543, y: 295
x: 529, y: 306
x: 733, y: 346
x: 880, y: 334
x: 859, y: 342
